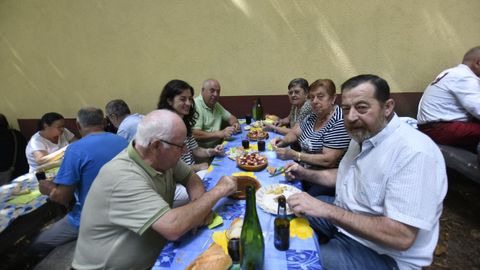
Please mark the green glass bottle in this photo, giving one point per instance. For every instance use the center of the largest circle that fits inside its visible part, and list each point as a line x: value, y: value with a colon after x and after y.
x: 257, y: 110
x: 252, y: 246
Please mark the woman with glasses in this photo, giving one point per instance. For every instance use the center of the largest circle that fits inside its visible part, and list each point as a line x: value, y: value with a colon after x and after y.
x: 321, y: 135
x: 177, y: 96
x: 301, y: 108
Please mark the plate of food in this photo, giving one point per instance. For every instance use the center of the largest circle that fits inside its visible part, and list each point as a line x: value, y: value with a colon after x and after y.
x: 234, y: 152
x: 252, y: 162
x: 267, y: 197
x: 255, y: 135
x: 242, y: 183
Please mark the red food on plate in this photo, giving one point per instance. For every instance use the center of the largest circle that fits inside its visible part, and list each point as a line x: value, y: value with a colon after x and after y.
x: 252, y: 162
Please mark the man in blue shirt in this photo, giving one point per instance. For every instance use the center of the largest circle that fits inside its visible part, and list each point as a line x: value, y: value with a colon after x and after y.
x: 81, y: 164
x: 120, y: 116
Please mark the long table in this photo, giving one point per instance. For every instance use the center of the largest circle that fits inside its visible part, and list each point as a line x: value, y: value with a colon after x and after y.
x: 302, y: 254
x: 25, y: 215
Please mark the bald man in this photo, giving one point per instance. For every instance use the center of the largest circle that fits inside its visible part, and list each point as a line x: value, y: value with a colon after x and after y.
x: 128, y: 215
x: 449, y: 111
x: 207, y: 130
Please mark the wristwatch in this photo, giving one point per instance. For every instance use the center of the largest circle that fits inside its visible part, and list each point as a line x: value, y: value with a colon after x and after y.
x: 299, y: 156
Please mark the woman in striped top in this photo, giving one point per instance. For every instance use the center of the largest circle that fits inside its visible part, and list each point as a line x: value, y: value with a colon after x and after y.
x: 177, y: 96
x: 322, y: 135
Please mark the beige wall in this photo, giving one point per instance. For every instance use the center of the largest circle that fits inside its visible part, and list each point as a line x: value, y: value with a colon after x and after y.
x: 57, y: 55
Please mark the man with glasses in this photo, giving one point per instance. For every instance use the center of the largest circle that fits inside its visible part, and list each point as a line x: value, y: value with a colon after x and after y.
x: 120, y: 116
x: 128, y: 215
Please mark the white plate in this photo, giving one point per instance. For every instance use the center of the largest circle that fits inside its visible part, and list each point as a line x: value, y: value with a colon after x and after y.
x: 247, y: 127
x: 266, y: 197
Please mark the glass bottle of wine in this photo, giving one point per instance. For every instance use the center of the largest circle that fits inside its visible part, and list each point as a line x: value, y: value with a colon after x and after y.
x: 251, y: 240
x: 281, y: 226
x: 257, y: 110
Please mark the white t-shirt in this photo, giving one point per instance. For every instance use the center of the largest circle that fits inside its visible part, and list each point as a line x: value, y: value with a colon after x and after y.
x: 453, y: 96
x: 37, y: 143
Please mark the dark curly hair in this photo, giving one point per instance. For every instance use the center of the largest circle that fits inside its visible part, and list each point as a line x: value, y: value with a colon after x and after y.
x: 172, y: 89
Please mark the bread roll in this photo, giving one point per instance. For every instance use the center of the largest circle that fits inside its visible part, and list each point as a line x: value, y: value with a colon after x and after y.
x: 214, y: 258
x: 272, y: 117
x: 235, y: 229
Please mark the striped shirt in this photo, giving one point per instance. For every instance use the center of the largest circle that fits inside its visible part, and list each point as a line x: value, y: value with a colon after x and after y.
x: 187, y: 156
x: 332, y: 135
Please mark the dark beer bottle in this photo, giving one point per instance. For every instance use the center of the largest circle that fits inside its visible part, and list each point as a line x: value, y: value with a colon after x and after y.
x: 281, y: 226
x: 251, y: 240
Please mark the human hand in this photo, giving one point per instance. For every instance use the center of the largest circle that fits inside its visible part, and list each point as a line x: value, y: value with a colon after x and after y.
x: 219, y: 150
x: 276, y: 142
x: 268, y: 127
x: 228, y: 132
x: 285, y: 153
x: 45, y: 186
x: 294, y: 171
x: 304, y: 204
x: 236, y: 127
x: 227, y: 185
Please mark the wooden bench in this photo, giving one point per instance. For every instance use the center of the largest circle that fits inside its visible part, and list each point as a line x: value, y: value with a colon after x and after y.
x: 462, y: 161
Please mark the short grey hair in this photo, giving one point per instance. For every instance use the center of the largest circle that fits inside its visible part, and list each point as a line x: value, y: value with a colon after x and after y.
x: 90, y: 116
x: 153, y: 128
x: 117, y: 107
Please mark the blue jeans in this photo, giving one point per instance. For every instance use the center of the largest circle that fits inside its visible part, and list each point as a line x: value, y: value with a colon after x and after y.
x: 58, y: 234
x: 343, y: 252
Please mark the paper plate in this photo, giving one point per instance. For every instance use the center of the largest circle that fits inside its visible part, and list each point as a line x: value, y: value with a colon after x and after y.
x: 266, y: 197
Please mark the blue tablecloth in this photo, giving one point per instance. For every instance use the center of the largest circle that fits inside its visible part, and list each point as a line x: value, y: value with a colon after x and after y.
x: 302, y: 254
x: 9, y: 210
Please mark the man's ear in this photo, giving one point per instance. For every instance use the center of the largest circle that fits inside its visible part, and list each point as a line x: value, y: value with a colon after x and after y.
x: 156, y: 144
x: 389, y: 107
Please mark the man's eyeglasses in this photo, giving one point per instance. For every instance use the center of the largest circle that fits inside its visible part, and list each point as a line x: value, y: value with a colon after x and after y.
x: 174, y: 144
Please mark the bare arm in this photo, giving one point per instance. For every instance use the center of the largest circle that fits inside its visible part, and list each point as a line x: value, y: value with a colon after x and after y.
x: 210, y: 152
x: 39, y: 156
x: 199, y: 166
x: 180, y: 220
x: 378, y: 229
x: 201, y: 135
x: 233, y: 122
x: 327, y: 177
x: 327, y: 158
x: 195, y: 188
x: 60, y: 194
x: 289, y: 138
